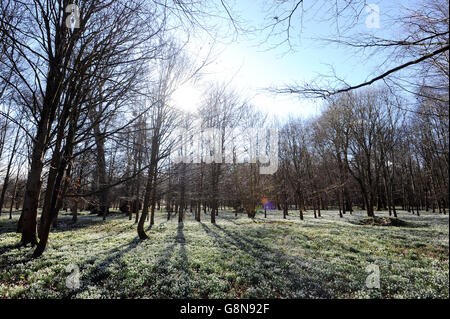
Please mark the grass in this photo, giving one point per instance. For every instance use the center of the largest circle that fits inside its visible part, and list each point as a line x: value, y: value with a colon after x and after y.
x: 237, y: 258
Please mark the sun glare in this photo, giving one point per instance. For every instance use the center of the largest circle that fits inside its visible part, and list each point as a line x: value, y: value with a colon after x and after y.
x: 187, y: 97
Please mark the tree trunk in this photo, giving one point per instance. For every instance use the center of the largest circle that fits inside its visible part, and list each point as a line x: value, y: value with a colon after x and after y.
x: 152, y: 210
x: 27, y: 221
x: 101, y: 163
x: 74, y: 210
x: 13, y: 199
x: 147, y: 197
x: 8, y: 170
x: 59, y: 189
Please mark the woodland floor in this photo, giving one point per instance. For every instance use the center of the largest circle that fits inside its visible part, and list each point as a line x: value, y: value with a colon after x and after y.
x: 237, y: 258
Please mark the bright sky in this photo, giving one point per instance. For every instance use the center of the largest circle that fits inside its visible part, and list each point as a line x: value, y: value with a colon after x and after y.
x: 252, y: 68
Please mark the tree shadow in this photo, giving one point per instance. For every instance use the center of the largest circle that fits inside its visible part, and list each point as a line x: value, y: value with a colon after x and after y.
x: 297, y: 275
x: 6, y: 248
x: 163, y: 265
x: 8, y: 225
x: 101, y: 272
x: 65, y: 222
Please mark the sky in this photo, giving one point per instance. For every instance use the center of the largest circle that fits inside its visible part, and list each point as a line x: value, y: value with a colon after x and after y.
x: 251, y: 65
